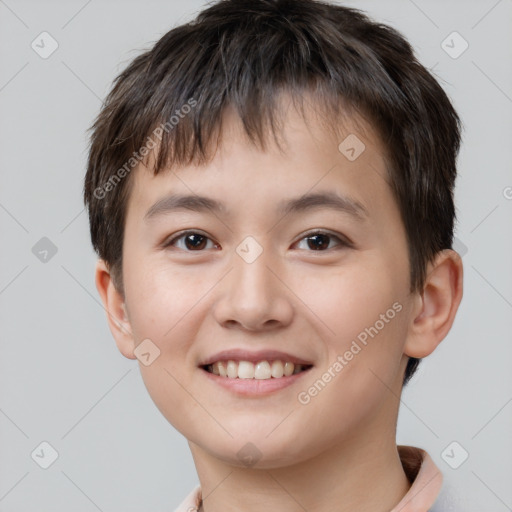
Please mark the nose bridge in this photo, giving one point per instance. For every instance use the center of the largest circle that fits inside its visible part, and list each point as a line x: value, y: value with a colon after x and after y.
x: 252, y: 276
x: 253, y: 296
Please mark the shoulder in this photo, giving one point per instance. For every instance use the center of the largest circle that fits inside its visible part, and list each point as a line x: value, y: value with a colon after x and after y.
x: 454, y: 496
x: 430, y: 489
x: 425, y: 477
x: 192, y: 501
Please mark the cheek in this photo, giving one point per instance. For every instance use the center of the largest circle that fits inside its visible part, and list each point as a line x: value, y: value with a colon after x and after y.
x: 161, y: 296
x: 366, y: 319
x: 351, y: 299
x: 166, y: 307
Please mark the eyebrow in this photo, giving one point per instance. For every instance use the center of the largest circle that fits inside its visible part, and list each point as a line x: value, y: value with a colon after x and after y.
x: 306, y: 202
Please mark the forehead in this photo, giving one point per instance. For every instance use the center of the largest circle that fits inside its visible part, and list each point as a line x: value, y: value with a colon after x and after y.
x: 310, y: 155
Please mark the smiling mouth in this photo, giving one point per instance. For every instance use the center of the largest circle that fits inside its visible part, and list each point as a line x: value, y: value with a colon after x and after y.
x: 263, y: 370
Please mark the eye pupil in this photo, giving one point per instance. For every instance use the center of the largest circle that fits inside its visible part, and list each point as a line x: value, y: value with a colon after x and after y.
x: 197, y: 244
x: 320, y: 245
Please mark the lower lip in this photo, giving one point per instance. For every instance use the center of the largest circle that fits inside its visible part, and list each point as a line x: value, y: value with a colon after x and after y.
x: 254, y: 387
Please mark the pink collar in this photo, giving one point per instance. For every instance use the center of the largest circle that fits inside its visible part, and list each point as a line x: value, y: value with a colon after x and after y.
x: 426, y: 480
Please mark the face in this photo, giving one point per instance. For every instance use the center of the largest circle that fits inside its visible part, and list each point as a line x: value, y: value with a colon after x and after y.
x: 322, y: 283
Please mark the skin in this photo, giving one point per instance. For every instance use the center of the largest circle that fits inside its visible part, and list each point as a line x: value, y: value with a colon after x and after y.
x: 312, y: 303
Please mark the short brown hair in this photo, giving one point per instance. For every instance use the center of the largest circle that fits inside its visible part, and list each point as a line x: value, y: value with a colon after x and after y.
x: 243, y: 53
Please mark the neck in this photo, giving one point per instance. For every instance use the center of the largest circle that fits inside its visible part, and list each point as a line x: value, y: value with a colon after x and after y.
x: 364, y: 476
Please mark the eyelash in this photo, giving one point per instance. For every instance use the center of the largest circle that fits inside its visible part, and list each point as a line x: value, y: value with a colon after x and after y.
x: 343, y: 242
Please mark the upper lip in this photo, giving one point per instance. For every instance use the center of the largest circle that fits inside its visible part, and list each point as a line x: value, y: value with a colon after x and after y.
x: 236, y: 354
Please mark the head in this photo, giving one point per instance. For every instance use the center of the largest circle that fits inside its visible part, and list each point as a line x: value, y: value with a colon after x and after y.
x: 251, y: 104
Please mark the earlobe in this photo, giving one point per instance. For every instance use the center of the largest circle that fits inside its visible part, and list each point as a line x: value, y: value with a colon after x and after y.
x: 436, y: 305
x: 115, y: 307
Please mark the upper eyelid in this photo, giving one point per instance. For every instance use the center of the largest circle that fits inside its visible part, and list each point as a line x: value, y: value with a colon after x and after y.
x: 343, y: 240
x: 179, y: 236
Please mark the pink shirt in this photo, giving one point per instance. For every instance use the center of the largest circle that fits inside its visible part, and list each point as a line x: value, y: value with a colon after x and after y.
x: 424, y: 475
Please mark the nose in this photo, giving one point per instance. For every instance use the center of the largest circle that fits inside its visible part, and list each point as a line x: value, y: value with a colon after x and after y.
x: 254, y: 296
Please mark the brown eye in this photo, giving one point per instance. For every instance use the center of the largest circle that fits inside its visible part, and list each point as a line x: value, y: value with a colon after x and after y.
x: 192, y: 241
x: 320, y: 241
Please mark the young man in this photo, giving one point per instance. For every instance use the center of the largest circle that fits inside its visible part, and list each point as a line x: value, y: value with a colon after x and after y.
x: 270, y: 192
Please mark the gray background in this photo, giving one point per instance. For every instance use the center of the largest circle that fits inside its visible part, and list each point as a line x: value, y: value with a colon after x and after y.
x: 62, y: 379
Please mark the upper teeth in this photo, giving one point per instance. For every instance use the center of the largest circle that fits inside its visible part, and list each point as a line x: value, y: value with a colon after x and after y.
x: 248, y: 370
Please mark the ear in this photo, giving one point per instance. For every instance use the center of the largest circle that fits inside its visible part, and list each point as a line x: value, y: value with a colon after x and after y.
x: 117, y: 315
x: 435, y: 307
